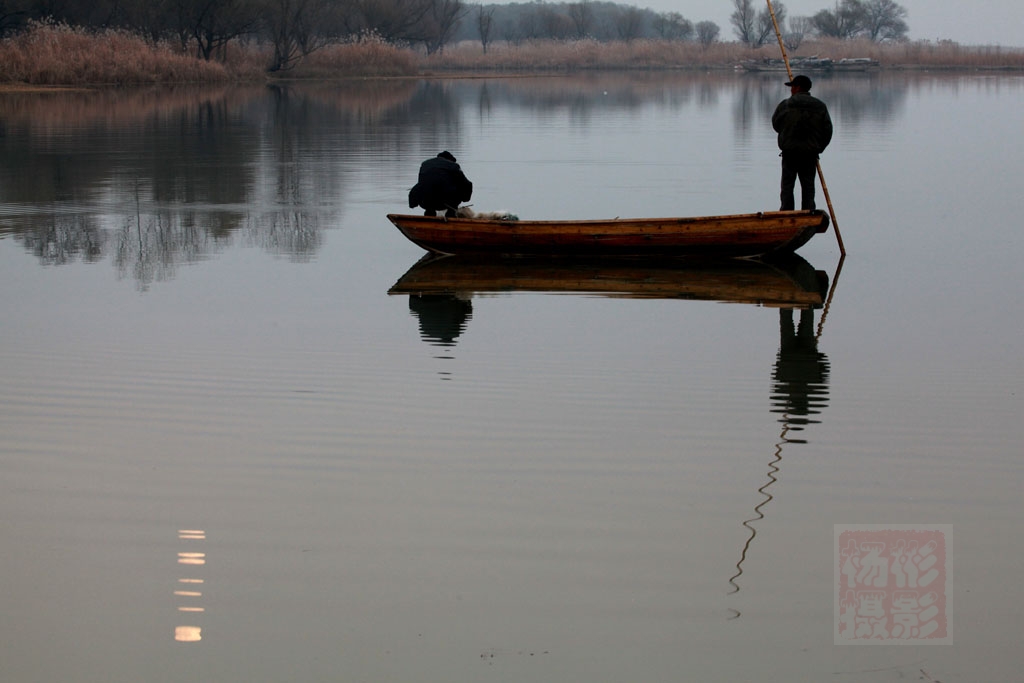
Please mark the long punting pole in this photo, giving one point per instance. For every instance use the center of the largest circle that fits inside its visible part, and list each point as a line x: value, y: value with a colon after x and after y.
x: 821, y: 176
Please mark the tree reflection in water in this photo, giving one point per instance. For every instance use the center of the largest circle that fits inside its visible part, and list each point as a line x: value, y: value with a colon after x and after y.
x: 157, y: 179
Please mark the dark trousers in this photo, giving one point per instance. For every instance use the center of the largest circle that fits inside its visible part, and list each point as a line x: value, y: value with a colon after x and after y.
x: 800, y: 165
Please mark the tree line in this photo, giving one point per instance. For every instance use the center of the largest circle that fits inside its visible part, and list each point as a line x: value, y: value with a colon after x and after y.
x: 877, y: 20
x: 296, y: 28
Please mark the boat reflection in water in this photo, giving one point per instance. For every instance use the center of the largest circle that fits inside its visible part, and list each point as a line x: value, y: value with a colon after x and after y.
x: 441, y: 288
x: 789, y: 282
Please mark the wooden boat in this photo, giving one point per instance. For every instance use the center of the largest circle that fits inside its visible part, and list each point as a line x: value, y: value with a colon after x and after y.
x: 787, y: 282
x: 739, y: 235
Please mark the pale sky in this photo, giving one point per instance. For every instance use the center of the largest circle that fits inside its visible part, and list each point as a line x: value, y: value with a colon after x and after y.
x: 968, y: 22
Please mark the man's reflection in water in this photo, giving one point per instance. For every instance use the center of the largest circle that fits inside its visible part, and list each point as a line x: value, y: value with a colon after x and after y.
x: 800, y: 378
x: 442, y: 317
x: 799, y: 390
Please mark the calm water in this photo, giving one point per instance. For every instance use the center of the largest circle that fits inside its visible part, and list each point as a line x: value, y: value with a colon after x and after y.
x: 229, y: 454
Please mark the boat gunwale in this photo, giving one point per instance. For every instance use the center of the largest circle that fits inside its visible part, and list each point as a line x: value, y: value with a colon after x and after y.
x: 749, y: 234
x: 675, y: 220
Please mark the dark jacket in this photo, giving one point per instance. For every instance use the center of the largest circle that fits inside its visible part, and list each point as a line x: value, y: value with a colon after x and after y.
x: 442, y: 185
x: 803, y: 124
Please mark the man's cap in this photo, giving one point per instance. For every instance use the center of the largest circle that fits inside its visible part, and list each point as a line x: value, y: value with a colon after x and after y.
x: 446, y: 155
x: 801, y: 81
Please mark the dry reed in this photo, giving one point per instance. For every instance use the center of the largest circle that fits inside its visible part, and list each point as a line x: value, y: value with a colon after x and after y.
x: 366, y: 55
x: 918, y: 54
x: 52, y: 54
x: 550, y: 55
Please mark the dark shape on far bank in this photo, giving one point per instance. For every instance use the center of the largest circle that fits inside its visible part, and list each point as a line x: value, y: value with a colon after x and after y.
x: 441, y: 186
x: 805, y: 129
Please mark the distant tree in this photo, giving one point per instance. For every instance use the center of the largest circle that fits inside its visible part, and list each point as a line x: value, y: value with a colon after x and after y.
x: 845, y: 21
x: 581, y: 14
x: 13, y: 14
x: 765, y: 25
x: 529, y: 24
x: 511, y: 32
x: 392, y: 20
x: 89, y: 13
x: 297, y: 28
x: 629, y: 23
x: 214, y: 23
x: 485, y: 24
x: 672, y: 26
x: 441, y: 22
x: 156, y: 20
x: 799, y: 27
x: 803, y: 25
x: 707, y: 33
x: 884, y: 20
x: 554, y: 24
x: 743, y: 21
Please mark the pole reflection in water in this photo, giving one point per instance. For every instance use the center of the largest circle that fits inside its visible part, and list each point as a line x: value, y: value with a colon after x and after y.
x: 799, y: 392
x: 190, y: 587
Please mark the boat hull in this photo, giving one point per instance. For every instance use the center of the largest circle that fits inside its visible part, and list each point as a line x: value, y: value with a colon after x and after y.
x: 739, y: 235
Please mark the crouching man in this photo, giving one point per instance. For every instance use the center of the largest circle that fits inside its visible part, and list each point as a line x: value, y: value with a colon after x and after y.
x: 442, y: 186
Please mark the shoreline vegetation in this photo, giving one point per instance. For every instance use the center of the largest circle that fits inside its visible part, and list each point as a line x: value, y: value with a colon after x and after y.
x: 51, y: 55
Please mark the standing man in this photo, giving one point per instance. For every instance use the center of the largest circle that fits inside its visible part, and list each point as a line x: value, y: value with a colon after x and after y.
x: 442, y: 186
x: 804, y: 129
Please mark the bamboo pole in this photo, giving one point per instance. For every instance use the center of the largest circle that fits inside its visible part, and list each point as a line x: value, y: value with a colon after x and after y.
x: 821, y: 176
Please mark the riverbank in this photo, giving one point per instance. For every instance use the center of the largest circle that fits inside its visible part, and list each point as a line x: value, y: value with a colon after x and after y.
x: 583, y: 55
x: 58, y: 55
